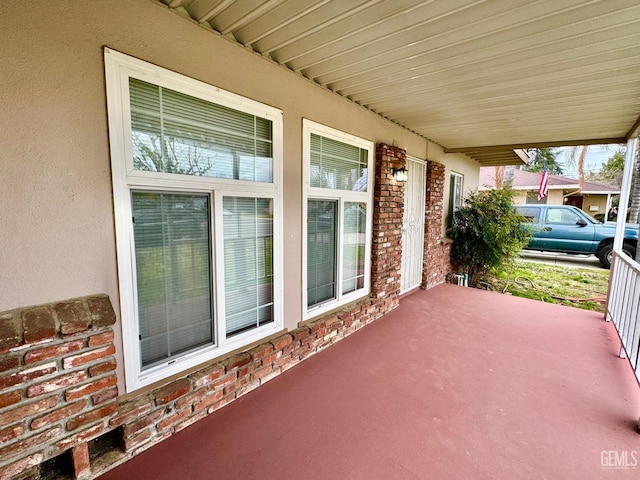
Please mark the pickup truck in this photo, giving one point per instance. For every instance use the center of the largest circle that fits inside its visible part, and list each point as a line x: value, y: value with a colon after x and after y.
x: 567, y: 229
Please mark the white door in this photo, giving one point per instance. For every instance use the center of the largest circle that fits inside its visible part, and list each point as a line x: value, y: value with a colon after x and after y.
x: 413, y: 224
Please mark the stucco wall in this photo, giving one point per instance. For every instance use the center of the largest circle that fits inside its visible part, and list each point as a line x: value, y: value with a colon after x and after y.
x: 599, y: 201
x: 520, y: 198
x: 458, y: 164
x: 554, y: 197
x: 57, y: 222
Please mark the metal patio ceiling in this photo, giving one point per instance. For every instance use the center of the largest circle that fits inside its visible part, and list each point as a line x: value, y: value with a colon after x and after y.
x: 480, y: 77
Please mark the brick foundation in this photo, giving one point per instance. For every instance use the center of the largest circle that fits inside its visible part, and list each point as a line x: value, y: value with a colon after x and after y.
x: 57, y: 382
x: 59, y: 393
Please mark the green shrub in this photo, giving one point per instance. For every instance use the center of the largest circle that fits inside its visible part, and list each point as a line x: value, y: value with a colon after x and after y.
x: 487, y: 233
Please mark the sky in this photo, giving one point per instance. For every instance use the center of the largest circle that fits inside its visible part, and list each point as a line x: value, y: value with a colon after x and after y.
x: 596, y: 156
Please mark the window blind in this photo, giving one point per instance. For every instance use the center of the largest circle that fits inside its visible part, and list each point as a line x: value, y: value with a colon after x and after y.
x: 321, y: 250
x: 353, y: 246
x: 248, y: 263
x: 337, y: 165
x: 176, y: 133
x: 172, y: 245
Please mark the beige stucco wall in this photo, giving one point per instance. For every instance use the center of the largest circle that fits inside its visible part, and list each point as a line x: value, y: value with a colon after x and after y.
x: 459, y: 164
x: 554, y: 197
x: 519, y: 198
x: 57, y: 220
x: 597, y: 200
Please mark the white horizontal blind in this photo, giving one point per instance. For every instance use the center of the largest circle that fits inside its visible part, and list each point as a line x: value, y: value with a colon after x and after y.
x: 248, y: 263
x: 172, y: 245
x: 177, y: 133
x: 337, y: 165
x: 353, y: 246
x: 321, y: 250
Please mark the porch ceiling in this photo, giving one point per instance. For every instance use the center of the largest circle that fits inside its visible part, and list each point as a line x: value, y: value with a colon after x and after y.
x: 466, y: 74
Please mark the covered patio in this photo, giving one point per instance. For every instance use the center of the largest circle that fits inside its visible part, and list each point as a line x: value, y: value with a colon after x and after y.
x: 454, y: 383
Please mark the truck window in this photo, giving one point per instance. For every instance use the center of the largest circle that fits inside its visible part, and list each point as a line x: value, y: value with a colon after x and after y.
x: 530, y: 214
x: 562, y: 216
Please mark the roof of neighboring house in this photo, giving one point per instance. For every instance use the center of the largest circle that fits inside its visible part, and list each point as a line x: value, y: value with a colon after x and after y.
x: 523, y: 180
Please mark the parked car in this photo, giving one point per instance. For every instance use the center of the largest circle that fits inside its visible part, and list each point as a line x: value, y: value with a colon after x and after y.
x: 567, y: 229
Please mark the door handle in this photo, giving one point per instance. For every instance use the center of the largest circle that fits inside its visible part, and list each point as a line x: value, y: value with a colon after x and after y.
x: 547, y: 229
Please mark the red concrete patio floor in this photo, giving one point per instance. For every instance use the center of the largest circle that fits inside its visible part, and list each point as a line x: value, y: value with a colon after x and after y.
x: 456, y: 383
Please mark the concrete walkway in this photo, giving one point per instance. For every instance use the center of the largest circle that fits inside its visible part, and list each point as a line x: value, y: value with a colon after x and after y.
x: 456, y: 383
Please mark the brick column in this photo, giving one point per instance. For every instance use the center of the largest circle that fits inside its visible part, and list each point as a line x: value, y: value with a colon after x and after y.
x: 388, y: 210
x: 437, y: 250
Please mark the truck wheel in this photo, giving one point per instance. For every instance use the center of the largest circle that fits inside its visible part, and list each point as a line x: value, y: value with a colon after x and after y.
x: 605, y: 254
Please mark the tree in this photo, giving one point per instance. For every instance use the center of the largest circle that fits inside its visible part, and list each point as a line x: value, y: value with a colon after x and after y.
x: 542, y: 155
x: 611, y: 171
x: 487, y: 233
x: 500, y: 171
x: 152, y: 153
x: 575, y: 159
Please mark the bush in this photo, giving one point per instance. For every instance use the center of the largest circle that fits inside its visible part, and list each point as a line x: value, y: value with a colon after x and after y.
x: 487, y: 233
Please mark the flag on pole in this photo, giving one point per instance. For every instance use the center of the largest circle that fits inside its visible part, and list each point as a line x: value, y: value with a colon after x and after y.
x: 544, y: 183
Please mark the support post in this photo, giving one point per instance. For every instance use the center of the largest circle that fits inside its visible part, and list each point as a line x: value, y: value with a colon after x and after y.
x: 625, y: 190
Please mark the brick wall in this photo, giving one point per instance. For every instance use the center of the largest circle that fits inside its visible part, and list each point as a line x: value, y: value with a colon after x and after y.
x: 57, y: 381
x: 386, y: 255
x: 57, y: 370
x: 437, y: 250
x: 59, y: 392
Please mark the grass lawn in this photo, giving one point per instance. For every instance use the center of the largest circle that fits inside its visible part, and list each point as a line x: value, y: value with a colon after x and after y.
x: 576, y: 287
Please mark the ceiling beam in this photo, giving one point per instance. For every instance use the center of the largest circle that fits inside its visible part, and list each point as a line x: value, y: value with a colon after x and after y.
x: 524, y: 156
x: 635, y: 130
x: 562, y: 143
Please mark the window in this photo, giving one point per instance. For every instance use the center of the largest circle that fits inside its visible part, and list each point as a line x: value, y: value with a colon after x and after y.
x: 530, y: 214
x: 532, y: 197
x: 338, y: 216
x: 562, y: 216
x: 196, y: 174
x: 455, y: 191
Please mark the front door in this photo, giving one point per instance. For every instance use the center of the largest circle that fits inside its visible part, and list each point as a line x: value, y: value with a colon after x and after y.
x: 413, y: 225
x: 575, y: 201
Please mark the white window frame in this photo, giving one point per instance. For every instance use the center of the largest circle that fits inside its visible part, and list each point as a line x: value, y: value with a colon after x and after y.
x: 118, y: 69
x: 342, y: 196
x: 452, y: 191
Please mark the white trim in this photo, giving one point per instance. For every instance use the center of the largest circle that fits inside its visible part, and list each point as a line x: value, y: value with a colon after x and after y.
x: 118, y: 69
x: 451, y: 197
x: 342, y: 196
x: 625, y: 191
x: 417, y: 263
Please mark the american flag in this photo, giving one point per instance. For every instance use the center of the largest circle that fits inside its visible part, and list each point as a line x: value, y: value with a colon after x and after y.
x: 544, y: 183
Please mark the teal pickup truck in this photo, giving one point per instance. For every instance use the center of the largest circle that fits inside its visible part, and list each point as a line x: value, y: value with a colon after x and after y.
x: 567, y: 229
